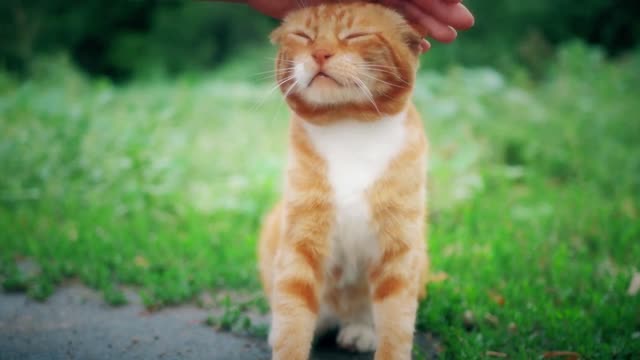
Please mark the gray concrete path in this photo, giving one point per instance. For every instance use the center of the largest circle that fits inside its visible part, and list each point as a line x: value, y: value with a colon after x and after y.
x: 76, y: 324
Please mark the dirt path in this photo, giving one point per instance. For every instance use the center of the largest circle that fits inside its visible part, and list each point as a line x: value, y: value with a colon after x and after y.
x: 76, y: 324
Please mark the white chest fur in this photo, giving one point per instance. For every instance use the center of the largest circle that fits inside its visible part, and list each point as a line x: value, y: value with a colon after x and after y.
x: 357, y: 154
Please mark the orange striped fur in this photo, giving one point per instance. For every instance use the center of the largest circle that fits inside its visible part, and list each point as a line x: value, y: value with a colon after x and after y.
x: 346, y: 245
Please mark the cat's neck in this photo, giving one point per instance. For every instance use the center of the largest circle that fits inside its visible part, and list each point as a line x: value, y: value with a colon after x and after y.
x: 362, y: 112
x: 366, y: 122
x: 357, y: 153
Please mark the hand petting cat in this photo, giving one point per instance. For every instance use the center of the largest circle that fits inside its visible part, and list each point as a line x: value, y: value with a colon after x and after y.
x: 437, y: 19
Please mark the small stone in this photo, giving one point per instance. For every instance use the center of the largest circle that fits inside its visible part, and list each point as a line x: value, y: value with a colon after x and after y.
x: 206, y: 301
x: 468, y: 320
x: 634, y: 284
x: 496, y: 354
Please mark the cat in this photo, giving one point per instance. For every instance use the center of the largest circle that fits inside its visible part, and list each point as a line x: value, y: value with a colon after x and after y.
x: 346, y: 245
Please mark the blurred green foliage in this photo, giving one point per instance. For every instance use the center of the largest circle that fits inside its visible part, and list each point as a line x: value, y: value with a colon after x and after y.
x: 527, y: 32
x: 119, y: 39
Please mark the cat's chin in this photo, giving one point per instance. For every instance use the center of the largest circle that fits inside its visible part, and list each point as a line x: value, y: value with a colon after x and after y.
x: 323, y: 80
x: 327, y: 94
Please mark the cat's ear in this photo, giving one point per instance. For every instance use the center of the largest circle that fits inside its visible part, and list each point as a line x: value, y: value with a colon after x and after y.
x: 276, y: 35
x: 413, y: 40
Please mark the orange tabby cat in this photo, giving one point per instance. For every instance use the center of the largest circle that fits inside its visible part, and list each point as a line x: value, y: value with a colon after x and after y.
x: 346, y: 245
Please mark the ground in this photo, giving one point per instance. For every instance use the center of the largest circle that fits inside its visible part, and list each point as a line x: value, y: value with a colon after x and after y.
x: 159, y: 186
x: 75, y: 323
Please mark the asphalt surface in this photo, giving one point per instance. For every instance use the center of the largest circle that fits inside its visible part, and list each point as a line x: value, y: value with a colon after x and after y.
x: 75, y: 323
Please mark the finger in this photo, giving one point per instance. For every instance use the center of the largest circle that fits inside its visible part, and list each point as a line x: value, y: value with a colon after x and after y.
x: 424, y: 46
x: 425, y: 24
x: 438, y: 30
x: 415, y: 16
x: 450, y: 13
x: 412, y: 13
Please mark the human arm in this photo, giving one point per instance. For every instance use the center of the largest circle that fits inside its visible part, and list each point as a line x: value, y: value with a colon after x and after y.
x: 437, y: 19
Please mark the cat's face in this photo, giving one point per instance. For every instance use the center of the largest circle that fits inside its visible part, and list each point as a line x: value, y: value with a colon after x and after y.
x: 358, y: 56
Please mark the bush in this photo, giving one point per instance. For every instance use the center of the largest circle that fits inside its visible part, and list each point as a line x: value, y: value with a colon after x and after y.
x: 117, y: 39
x: 189, y: 37
x: 121, y: 38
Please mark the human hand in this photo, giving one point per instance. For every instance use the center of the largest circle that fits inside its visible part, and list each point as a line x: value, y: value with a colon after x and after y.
x: 437, y: 19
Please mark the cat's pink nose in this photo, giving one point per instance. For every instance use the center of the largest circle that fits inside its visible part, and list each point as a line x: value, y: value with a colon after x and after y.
x: 321, y: 55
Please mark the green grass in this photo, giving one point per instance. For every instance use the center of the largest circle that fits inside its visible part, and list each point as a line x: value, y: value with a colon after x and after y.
x: 161, y: 184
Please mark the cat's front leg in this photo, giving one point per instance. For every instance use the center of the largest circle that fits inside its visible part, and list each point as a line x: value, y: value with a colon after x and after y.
x: 394, y: 295
x: 294, y: 302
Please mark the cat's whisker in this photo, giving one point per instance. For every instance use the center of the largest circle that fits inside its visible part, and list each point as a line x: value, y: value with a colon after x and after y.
x: 367, y: 93
x: 381, y: 66
x: 390, y: 69
x: 381, y: 69
x: 295, y: 83
x: 384, y: 71
x: 354, y: 76
x: 264, y: 98
x: 273, y: 74
x: 281, y: 82
x: 380, y: 80
x: 274, y: 71
x: 273, y: 77
x: 284, y: 60
x: 375, y: 66
x: 265, y: 77
x: 397, y: 77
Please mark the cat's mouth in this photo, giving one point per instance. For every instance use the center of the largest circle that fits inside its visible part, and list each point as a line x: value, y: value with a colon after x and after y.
x: 323, y: 78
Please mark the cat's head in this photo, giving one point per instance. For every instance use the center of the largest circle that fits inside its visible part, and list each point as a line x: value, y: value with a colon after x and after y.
x: 354, y: 60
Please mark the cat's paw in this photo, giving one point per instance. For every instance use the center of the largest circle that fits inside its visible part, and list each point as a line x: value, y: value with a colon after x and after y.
x: 357, y: 337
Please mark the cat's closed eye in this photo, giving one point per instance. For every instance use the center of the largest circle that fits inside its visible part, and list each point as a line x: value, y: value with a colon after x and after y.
x: 302, y: 35
x: 357, y: 35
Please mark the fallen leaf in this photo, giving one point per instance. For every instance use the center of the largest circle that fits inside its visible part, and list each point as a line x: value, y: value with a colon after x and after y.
x: 491, y: 319
x: 496, y: 297
x: 568, y: 355
x: 629, y: 209
x: 451, y: 250
x: 496, y: 354
x: 438, y: 277
x: 72, y: 233
x: 634, y: 285
x: 140, y: 261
